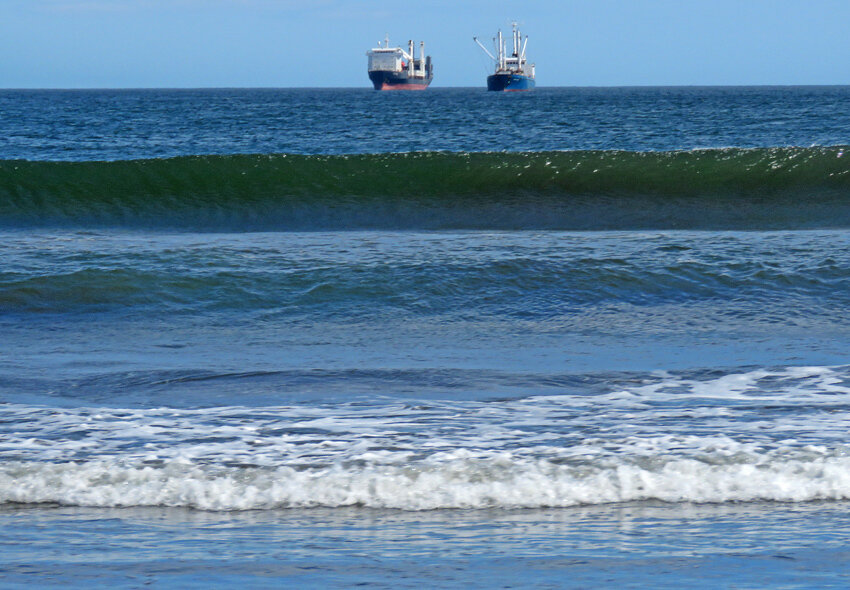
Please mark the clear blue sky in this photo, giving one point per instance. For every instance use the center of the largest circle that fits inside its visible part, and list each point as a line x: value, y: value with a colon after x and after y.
x: 280, y: 43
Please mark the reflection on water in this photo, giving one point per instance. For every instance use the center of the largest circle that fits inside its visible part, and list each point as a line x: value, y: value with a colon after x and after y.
x: 656, y: 544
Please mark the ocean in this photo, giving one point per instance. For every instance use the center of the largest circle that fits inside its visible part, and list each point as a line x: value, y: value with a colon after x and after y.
x: 572, y: 338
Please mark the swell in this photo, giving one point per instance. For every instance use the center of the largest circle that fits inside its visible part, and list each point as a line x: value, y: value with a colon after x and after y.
x: 528, y: 287
x: 712, y: 189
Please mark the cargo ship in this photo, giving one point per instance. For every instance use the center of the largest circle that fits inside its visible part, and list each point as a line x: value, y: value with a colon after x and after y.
x: 393, y: 68
x: 513, y: 73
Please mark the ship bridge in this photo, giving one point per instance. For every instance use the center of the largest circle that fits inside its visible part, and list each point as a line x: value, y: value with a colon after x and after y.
x: 396, y: 59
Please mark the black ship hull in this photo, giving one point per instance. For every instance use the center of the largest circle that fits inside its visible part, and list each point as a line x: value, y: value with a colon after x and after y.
x: 398, y: 81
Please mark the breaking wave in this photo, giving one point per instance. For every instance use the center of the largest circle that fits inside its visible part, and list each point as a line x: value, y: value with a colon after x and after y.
x: 761, y: 435
x: 711, y: 189
x: 496, y: 482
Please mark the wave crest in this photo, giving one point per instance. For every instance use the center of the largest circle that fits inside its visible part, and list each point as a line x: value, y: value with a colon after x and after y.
x: 719, y: 188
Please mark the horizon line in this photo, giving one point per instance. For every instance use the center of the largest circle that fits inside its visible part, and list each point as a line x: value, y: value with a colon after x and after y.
x: 370, y: 89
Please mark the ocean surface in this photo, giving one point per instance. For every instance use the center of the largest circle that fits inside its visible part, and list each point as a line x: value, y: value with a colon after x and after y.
x: 325, y: 338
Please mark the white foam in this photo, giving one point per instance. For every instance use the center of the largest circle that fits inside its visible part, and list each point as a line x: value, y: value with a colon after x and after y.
x: 495, y: 482
x: 758, y: 435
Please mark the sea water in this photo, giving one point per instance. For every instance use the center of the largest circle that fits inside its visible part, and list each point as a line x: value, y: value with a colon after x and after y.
x: 569, y: 338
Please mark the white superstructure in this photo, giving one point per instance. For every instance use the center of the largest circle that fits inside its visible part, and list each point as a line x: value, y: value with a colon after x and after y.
x: 515, y: 63
x: 397, y: 60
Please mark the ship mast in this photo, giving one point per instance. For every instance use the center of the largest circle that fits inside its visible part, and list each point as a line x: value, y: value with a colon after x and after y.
x: 519, y: 47
x: 501, y: 58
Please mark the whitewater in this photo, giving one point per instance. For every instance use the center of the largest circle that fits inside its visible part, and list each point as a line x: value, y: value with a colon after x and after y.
x: 245, y: 340
x: 521, y: 453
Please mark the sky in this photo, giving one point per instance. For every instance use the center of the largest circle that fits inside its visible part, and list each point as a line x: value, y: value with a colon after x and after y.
x: 322, y: 43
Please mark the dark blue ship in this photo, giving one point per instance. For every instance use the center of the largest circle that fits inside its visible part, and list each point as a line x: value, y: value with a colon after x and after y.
x: 510, y: 82
x: 513, y: 73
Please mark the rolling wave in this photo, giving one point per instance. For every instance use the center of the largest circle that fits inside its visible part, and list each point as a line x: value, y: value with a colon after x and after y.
x: 711, y: 189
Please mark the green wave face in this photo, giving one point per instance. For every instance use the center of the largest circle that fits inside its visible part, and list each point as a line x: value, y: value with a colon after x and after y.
x: 727, y: 188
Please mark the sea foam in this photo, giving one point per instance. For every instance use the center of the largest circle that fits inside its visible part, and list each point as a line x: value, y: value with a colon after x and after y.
x: 496, y: 482
x: 757, y: 435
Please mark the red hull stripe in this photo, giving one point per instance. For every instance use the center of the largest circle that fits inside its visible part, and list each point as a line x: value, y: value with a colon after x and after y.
x: 404, y: 86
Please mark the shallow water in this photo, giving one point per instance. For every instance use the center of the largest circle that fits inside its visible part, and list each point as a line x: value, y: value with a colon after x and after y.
x: 623, y: 545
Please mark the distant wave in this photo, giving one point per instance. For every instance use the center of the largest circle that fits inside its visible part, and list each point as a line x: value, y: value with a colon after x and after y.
x: 711, y: 189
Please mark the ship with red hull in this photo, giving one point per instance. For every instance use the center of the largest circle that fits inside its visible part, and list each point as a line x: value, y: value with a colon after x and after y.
x: 393, y: 68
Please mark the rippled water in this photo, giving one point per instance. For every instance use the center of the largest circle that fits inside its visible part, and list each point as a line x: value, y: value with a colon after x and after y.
x: 122, y: 124
x: 195, y: 402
